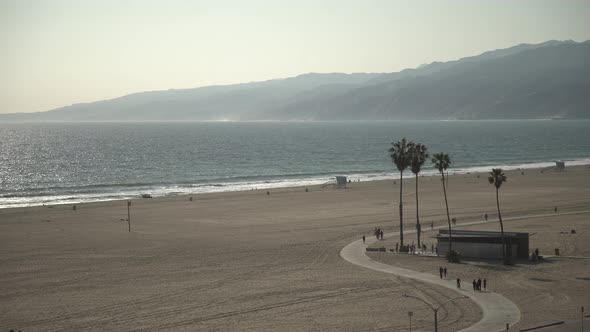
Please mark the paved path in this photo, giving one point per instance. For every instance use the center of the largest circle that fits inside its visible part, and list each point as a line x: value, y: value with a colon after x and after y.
x: 497, y: 310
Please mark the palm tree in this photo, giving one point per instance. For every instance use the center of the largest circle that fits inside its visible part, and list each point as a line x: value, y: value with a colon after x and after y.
x: 400, y: 156
x: 418, y: 158
x: 496, y: 178
x: 441, y: 162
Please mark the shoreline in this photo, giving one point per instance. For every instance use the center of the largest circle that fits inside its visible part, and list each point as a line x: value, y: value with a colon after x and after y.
x: 240, y: 187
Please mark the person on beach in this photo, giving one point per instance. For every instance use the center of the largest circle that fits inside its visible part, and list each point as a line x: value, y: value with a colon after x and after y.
x: 485, y: 284
x: 440, y: 271
x: 458, y: 283
x: 445, y: 272
x: 363, y: 239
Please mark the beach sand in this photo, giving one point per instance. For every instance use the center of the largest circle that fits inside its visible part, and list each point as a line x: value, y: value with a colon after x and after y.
x: 250, y: 261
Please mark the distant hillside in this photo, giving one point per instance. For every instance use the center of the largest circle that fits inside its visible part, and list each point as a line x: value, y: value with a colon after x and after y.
x: 549, y: 80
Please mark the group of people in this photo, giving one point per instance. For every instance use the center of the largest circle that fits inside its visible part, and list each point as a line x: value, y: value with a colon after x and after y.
x: 378, y: 233
x: 478, y: 284
x: 414, y: 249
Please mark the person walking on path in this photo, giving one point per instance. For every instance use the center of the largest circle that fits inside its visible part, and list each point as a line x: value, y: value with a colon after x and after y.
x: 474, y: 285
x: 445, y: 272
x: 440, y: 270
x: 458, y: 283
x: 485, y: 284
x: 363, y: 239
x: 486, y: 216
x: 479, y: 284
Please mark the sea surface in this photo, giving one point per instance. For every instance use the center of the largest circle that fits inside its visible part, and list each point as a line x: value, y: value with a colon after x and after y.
x: 65, y: 163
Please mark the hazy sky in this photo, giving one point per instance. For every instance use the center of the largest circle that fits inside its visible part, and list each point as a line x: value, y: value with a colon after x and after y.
x: 55, y: 53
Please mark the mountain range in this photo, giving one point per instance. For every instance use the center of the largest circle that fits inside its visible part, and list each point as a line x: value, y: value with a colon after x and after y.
x: 528, y: 81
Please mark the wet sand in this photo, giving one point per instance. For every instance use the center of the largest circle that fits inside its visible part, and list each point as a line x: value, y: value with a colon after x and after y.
x: 251, y: 261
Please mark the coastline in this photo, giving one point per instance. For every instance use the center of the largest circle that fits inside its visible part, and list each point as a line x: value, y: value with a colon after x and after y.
x: 173, y: 190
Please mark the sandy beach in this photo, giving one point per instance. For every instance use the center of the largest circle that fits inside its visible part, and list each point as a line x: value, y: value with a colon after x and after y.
x: 249, y: 261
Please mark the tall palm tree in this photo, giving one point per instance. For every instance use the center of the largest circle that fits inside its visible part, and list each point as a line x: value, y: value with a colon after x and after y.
x: 441, y: 162
x: 400, y: 156
x: 418, y: 158
x: 496, y: 178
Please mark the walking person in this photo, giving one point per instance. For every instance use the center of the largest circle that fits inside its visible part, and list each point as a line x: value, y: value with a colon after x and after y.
x: 485, y: 284
x: 458, y: 283
x: 479, y: 284
x: 363, y: 239
x: 445, y: 272
x: 486, y: 216
x: 440, y: 270
x: 474, y: 284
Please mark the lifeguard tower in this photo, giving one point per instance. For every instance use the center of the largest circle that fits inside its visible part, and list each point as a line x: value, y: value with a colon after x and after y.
x: 560, y: 165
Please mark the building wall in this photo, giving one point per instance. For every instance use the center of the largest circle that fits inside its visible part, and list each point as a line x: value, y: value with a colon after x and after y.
x: 476, y: 250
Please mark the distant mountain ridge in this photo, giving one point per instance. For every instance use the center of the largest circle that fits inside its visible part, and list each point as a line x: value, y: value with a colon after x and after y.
x: 528, y: 81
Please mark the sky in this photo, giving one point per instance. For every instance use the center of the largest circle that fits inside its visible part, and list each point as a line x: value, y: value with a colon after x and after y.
x: 60, y: 52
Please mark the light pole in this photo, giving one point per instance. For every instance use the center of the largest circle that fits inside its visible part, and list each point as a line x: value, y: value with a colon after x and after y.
x: 129, y: 215
x: 435, y: 310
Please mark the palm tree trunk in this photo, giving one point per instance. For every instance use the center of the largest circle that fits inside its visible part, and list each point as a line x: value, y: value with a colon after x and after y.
x: 418, y: 230
x: 448, y: 215
x: 501, y: 228
x: 401, y: 209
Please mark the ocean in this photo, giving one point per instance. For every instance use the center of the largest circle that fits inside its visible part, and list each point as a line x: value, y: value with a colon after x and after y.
x: 66, y: 163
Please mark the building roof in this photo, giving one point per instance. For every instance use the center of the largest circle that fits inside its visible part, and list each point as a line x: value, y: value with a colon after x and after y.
x: 444, y: 233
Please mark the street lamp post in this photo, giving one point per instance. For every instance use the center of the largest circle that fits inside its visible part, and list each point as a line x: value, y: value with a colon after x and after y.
x: 129, y: 215
x: 435, y: 310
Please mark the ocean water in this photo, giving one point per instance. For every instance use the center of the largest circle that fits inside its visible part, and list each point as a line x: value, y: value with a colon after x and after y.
x: 58, y: 163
